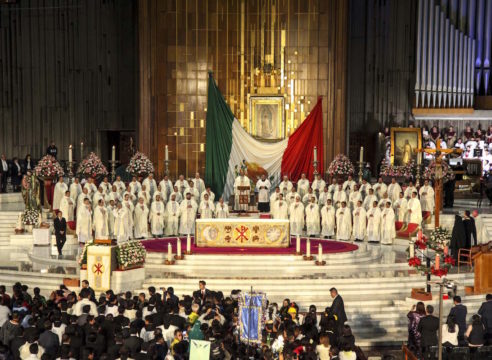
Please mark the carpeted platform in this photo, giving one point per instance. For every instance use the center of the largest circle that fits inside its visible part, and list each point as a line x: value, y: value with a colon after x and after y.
x: 329, y: 247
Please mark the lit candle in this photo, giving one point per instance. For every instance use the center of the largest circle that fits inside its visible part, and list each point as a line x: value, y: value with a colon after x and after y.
x: 419, y: 235
x: 178, y: 247
x: 70, y: 153
x: 166, y: 153
x: 298, y: 244
x: 446, y: 250
x: 412, y: 250
x: 188, y: 244
x: 361, y: 156
x: 113, y: 153
x: 436, y: 263
x: 320, y: 253
x: 308, y: 248
x: 169, y: 252
x: 315, y: 153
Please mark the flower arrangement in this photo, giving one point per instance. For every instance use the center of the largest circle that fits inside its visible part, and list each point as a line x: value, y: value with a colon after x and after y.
x: 83, y: 257
x: 130, y: 254
x: 140, y: 165
x: 430, y: 171
x: 48, y: 167
x: 341, y: 165
x: 30, y: 217
x: 406, y: 171
x: 92, y: 166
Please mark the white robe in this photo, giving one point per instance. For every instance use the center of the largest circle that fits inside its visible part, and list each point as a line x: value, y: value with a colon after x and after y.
x: 141, y: 216
x: 146, y: 195
x: 115, y: 196
x: 344, y: 224
x: 388, y: 232
x: 338, y: 197
x: 274, y: 197
x: 84, y: 225
x: 280, y: 210
x: 400, y: 208
x: 182, y: 185
x: 332, y: 188
x: 348, y: 185
x: 66, y: 207
x: 120, y: 186
x: 166, y: 187
x: 380, y: 189
x: 291, y: 197
x: 211, y: 196
x: 427, y: 200
x: 374, y: 224
x: 394, y: 191
x: 312, y: 219
x: 178, y: 197
x: 285, y: 187
x: 199, y: 185
x: 221, y: 211
x: 368, y: 201
x: 101, y: 223
x: 206, y: 209
x: 122, y: 230
x: 302, y: 187
x: 263, y: 187
x: 409, y: 191
x: 328, y: 220
x: 98, y: 196
x: 80, y: 201
x: 106, y: 187
x: 364, y: 189
x: 75, y: 191
x: 187, y: 213
x: 323, y: 196
x: 60, y: 189
x: 360, y: 223
x: 354, y: 197
x: 135, y: 187
x: 157, y: 218
x: 306, y: 199
x: 92, y: 188
x: 172, y: 218
x: 150, y: 185
x: 296, y: 218
x: 415, y: 216
x: 109, y: 210
x: 318, y: 185
x: 195, y: 194
x: 382, y: 203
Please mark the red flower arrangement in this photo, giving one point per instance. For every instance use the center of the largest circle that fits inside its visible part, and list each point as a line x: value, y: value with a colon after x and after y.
x: 449, y: 260
x: 48, y: 167
x: 415, y: 261
x: 92, y: 166
x: 439, y: 272
x: 421, y: 244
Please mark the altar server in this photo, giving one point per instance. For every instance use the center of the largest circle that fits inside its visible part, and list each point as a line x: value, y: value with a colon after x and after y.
x: 380, y: 188
x: 206, y: 208
x: 187, y: 213
x: 285, y: 186
x: 312, y: 217
x: 280, y: 209
x: 303, y: 186
x: 172, y: 216
x: 296, y: 216
x: 157, y: 213
x: 199, y: 184
x: 84, y: 223
x: 427, y: 197
x: 400, y: 207
x: 374, y: 223
x: 150, y: 184
x: 344, y: 222
x: 122, y: 229
x: 360, y: 222
x: 414, y: 210
x: 59, y: 193
x: 328, y: 219
x: 141, y: 215
x: 388, y: 232
x: 75, y: 190
x: 221, y: 209
x: 394, y: 190
x: 66, y: 206
x: 263, y: 186
x: 100, y: 221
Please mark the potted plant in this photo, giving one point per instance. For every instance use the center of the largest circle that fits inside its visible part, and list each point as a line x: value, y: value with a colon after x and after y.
x: 30, y: 218
x: 130, y: 255
x: 47, y: 169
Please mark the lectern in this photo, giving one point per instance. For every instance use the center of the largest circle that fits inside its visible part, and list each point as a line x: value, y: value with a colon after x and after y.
x: 483, y: 271
x: 243, y: 197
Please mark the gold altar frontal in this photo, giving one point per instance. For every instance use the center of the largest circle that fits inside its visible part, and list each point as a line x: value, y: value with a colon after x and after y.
x: 239, y: 232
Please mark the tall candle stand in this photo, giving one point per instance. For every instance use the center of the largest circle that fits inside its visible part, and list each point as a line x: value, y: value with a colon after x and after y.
x: 361, y: 166
x: 417, y: 177
x: 70, y: 171
x: 113, y: 169
x: 166, y: 167
x: 315, y: 166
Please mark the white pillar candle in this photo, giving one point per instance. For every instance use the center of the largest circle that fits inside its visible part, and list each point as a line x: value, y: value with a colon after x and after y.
x: 169, y: 252
x: 188, y: 244
x: 166, y: 153
x: 70, y: 153
x: 82, y: 150
x: 412, y: 250
x: 113, y: 153
x: 320, y: 253
x: 308, y: 248
x: 361, y: 157
x: 315, y: 151
x: 298, y: 244
x: 178, y: 247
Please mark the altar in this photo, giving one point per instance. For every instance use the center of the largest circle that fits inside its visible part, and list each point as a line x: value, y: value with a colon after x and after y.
x: 239, y: 232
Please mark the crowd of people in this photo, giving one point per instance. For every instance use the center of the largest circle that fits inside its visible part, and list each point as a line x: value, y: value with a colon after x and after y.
x: 160, y: 325
x: 423, y: 327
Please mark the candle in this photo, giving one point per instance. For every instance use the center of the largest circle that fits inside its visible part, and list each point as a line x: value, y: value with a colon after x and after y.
x: 419, y: 158
x: 166, y: 153
x: 308, y: 248
x: 169, y: 252
x: 361, y: 156
x: 188, y: 244
x: 315, y: 153
x: 82, y: 150
x: 70, y: 153
x: 446, y: 250
x: 113, y: 153
x: 320, y: 253
x: 436, y: 263
x: 419, y: 235
x: 178, y: 247
x: 412, y: 250
x: 298, y: 244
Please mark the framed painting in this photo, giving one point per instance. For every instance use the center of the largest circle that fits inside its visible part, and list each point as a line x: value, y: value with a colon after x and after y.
x: 266, y: 117
x: 404, y: 145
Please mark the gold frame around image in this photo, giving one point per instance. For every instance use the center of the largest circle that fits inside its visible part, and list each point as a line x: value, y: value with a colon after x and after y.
x: 400, y: 135
x: 263, y: 107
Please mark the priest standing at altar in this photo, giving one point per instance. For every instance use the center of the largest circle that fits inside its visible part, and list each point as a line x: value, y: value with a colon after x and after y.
x: 241, y: 194
x: 263, y: 185
x: 187, y: 212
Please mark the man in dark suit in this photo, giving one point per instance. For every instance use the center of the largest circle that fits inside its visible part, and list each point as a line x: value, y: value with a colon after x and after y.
x: 485, y: 312
x: 428, y: 327
x: 4, y: 173
x: 337, y: 308
x: 459, y: 312
x: 201, y: 294
x: 52, y: 150
x: 60, y: 225
x: 49, y: 340
x: 133, y: 342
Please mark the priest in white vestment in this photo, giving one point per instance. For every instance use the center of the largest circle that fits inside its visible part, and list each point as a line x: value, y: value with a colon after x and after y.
x: 131, y: 197
x: 482, y: 233
x: 364, y: 188
x: 242, y: 181
x: 344, y: 222
x: 172, y: 216
x: 306, y: 199
x: 409, y: 190
x: 122, y: 230
x: 75, y: 190
x: 354, y: 197
x: 333, y: 187
x: 80, y: 200
x: 150, y: 184
x: 374, y: 223
x: 338, y: 196
x: 263, y: 187
x: 99, y: 195
x: 292, y: 195
x: 323, y: 196
x: 114, y: 194
x: 359, y: 222
x: 383, y: 201
x: 369, y: 200
x: 312, y: 217
x: 181, y: 184
x: 400, y: 208
x: 199, y: 184
x: 166, y: 187
x: 110, y: 210
x: 157, y: 216
x: 280, y: 209
x: 100, y: 221
x: 66, y: 206
x: 274, y: 197
x: 394, y: 190
x: 380, y: 188
x: 141, y: 216
x: 303, y: 186
x: 128, y: 204
x: 328, y: 220
x: 427, y: 197
x: 388, y: 232
x: 187, y: 214
x: 135, y: 186
x: 120, y: 185
x: 195, y: 195
x: 221, y: 209
x: 145, y: 194
x: 105, y: 185
x: 348, y: 185
x: 414, y: 210
x: 91, y: 186
x: 158, y: 192
x: 206, y: 208
x: 318, y: 184
x: 178, y: 197
x: 59, y: 193
x: 285, y: 185
x: 209, y: 192
x: 296, y: 216
x: 84, y: 223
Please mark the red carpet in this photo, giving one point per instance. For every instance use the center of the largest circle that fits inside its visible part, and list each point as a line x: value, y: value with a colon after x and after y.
x: 329, y: 247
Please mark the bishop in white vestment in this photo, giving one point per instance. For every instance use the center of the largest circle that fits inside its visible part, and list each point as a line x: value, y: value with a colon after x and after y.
x: 328, y: 220
x: 344, y: 222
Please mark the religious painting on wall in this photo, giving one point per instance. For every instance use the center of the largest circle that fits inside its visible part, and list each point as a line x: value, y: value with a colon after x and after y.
x: 404, y: 145
x: 267, y: 121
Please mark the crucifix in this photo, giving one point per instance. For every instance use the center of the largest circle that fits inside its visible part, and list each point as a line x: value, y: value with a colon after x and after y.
x: 438, y: 153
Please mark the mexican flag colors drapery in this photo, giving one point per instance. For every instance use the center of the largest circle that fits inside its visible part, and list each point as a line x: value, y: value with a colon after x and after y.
x: 229, y: 147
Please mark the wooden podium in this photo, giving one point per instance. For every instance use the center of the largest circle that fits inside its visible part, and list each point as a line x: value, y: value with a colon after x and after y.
x: 244, y: 197
x: 483, y: 271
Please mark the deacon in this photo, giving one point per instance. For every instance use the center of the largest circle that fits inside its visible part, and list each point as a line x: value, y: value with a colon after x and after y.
x: 75, y: 189
x: 263, y: 185
x: 280, y: 209
x: 187, y: 213
x: 59, y: 193
x: 207, y: 208
x: 221, y: 209
x: 312, y: 217
x: 328, y: 220
x: 60, y: 226
x: 122, y: 228
x: 242, y: 181
x: 199, y: 184
x: 380, y: 188
x: 100, y: 221
x: 359, y: 227
x: 84, y: 223
x: 150, y: 184
x: 344, y: 222
x: 296, y: 216
x: 400, y: 207
x: 172, y: 213
x: 157, y: 213
x: 66, y: 206
x: 303, y: 186
x: 394, y: 190
x: 373, y: 223
x: 285, y: 186
x: 141, y: 215
x: 427, y: 197
x: 388, y: 232
x: 414, y: 210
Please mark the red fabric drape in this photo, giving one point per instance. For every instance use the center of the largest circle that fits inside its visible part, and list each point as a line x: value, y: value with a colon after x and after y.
x: 298, y: 156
